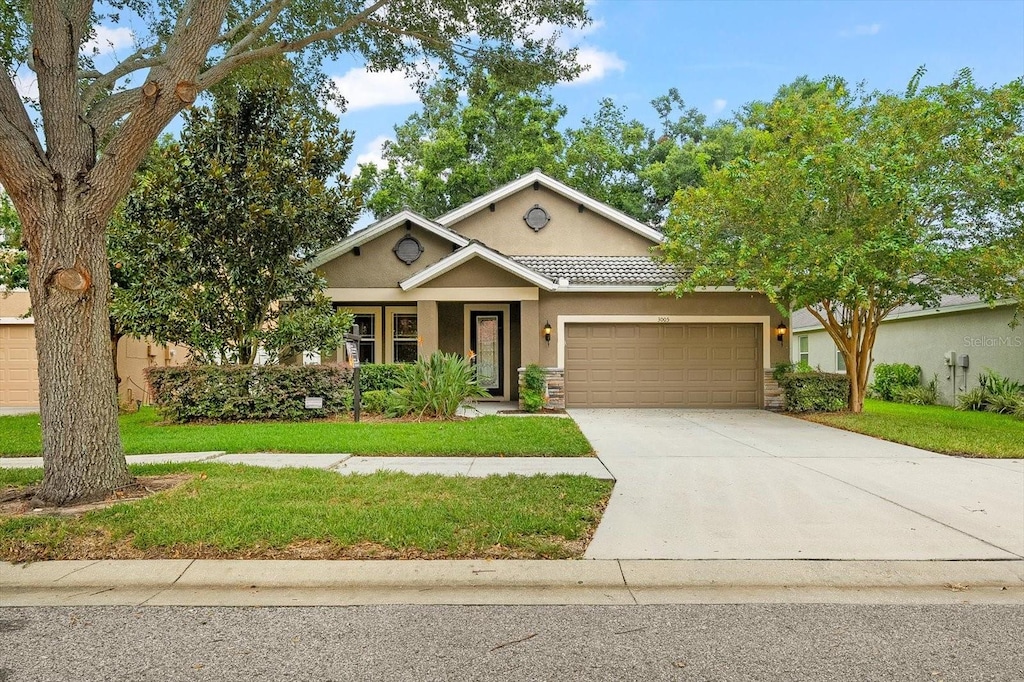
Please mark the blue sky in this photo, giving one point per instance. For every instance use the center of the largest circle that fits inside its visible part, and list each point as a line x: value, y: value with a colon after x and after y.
x: 720, y: 55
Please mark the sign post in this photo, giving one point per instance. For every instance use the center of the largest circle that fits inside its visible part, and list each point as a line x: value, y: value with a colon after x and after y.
x: 352, y: 351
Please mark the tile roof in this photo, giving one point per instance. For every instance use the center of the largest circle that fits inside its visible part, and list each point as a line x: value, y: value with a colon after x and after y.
x: 637, y: 270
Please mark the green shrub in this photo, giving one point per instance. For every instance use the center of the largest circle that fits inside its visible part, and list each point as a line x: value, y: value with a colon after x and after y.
x: 781, y: 369
x: 533, y: 388
x: 1018, y: 408
x: 243, y: 392
x: 918, y: 395
x: 974, y: 400
x: 437, y: 386
x: 815, y: 391
x: 380, y: 377
x: 1002, y: 403
x: 375, y: 402
x: 891, y: 379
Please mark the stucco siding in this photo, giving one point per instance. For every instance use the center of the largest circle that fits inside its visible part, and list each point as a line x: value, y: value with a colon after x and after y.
x: 476, y: 273
x: 449, y: 322
x: 569, y: 233
x: 377, y: 266
x: 982, y: 334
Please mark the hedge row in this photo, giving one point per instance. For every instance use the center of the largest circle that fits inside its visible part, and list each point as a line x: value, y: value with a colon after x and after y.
x: 241, y: 393
x: 381, y: 377
x: 815, y: 391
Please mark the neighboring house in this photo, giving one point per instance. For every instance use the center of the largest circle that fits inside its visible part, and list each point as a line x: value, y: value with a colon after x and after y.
x: 19, y: 380
x: 964, y: 326
x: 536, y: 272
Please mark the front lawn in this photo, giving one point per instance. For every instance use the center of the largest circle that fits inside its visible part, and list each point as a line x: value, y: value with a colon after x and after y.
x: 237, y: 511
x: 934, y: 427
x: 144, y: 433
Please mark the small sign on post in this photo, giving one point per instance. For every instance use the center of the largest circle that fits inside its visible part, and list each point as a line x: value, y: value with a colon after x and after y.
x: 352, y: 355
x: 314, y: 403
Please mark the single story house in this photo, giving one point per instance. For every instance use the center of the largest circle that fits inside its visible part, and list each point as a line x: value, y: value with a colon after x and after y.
x: 19, y: 379
x: 954, y: 342
x: 537, y: 272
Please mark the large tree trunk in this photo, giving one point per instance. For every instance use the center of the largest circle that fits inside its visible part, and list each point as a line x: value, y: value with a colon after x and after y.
x: 69, y: 283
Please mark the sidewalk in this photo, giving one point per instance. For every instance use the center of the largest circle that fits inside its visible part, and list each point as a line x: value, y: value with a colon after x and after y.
x: 333, y: 583
x: 476, y: 467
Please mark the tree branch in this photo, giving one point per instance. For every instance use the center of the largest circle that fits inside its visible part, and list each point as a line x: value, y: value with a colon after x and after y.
x: 273, y: 11
x: 229, y: 63
x: 15, y: 125
x: 103, y: 81
x: 107, y: 112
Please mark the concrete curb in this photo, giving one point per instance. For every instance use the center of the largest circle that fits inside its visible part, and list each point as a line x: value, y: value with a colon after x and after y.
x: 281, y: 583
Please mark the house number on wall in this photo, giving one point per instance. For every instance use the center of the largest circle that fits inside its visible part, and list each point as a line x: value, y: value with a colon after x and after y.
x: 662, y: 319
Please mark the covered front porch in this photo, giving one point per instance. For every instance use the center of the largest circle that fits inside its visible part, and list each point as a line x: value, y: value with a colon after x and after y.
x: 501, y: 334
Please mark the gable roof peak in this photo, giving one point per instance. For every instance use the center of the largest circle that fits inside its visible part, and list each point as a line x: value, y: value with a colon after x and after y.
x: 537, y: 176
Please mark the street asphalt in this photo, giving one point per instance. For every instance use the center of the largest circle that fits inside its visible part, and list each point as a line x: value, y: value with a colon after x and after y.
x: 776, y: 642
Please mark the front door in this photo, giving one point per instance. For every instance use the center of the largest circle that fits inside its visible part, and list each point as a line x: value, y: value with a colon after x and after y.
x: 486, y: 339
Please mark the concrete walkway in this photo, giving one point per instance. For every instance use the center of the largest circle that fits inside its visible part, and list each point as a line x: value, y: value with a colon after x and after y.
x: 754, y: 485
x: 477, y: 467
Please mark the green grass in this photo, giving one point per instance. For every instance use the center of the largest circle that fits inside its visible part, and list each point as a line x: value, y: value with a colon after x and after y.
x: 935, y: 427
x: 239, y: 511
x: 144, y: 432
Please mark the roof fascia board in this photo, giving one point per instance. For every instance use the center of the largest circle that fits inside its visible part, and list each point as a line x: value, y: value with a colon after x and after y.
x: 382, y: 227
x: 944, y: 310
x: 628, y: 288
x: 476, y: 250
x: 613, y: 214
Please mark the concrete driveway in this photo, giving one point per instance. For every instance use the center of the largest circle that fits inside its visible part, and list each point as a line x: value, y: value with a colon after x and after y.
x: 694, y: 484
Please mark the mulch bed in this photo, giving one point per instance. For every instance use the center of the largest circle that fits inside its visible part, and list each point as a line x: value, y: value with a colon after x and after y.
x: 18, y: 501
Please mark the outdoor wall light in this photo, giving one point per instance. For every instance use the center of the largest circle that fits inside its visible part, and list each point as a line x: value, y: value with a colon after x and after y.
x: 547, y: 332
x: 780, y: 331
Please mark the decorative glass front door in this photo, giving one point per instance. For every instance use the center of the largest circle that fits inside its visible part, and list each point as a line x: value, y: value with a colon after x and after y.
x: 486, y: 338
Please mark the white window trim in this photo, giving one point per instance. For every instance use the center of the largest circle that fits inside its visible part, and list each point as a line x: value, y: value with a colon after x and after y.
x: 506, y: 339
x: 840, y: 358
x: 377, y: 312
x: 389, y: 325
x: 801, y: 354
x: 767, y: 331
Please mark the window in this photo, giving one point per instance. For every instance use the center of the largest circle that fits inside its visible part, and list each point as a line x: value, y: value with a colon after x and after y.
x: 805, y: 349
x: 404, y: 337
x: 840, y: 361
x: 365, y: 324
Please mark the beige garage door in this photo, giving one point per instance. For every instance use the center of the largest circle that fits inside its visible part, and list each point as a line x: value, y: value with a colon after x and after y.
x: 663, y: 365
x: 19, y: 383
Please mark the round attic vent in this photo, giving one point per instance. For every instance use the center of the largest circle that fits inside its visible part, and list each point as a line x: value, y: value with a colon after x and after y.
x: 408, y: 250
x: 536, y: 218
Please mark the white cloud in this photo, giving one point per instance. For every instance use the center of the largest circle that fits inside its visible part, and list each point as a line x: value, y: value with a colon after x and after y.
x: 598, y: 64
x: 108, y: 39
x: 373, y: 152
x: 364, y: 89
x: 26, y: 85
x: 861, y: 30
x: 718, y: 106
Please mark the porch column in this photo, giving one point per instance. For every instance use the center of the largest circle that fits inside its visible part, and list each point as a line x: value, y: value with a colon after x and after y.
x: 426, y: 323
x: 529, y: 332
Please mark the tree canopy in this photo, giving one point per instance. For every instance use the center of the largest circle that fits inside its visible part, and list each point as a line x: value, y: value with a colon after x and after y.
x: 68, y: 156
x: 455, y: 150
x: 851, y: 203
x: 219, y: 226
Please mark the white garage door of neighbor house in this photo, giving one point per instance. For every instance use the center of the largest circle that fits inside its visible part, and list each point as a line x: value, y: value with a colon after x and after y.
x: 663, y: 365
x: 19, y: 381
